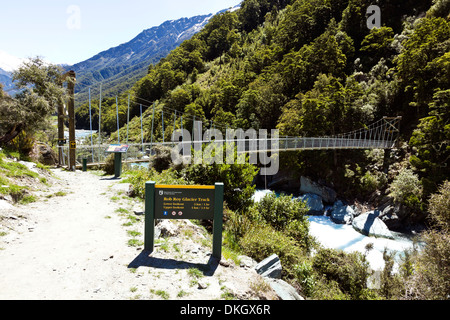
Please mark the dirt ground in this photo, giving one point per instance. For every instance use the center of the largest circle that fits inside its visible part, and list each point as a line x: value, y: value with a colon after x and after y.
x: 74, y: 243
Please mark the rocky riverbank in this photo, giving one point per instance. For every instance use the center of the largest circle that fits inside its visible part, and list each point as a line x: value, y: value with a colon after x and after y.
x: 379, y: 217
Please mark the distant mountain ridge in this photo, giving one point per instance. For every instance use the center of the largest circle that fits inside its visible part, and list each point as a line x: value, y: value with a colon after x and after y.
x: 118, y: 68
x: 8, y: 63
x: 7, y: 82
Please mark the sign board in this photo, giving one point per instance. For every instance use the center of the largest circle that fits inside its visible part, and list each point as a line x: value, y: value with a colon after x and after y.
x: 117, y: 148
x: 184, y: 202
x: 73, y: 145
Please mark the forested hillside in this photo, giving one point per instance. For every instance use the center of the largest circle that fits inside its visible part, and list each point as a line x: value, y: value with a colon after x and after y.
x: 308, y: 68
x: 312, y: 68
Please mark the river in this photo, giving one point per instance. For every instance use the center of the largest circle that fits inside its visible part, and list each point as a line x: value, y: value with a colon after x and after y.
x: 344, y: 237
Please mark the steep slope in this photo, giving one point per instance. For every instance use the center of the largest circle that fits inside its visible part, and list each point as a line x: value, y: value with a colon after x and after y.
x: 119, y: 67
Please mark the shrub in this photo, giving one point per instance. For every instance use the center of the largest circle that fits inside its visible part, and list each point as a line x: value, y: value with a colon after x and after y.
x: 138, y: 178
x: 439, y: 206
x: 262, y: 240
x: 108, y: 167
x: 162, y: 160
x: 305, y: 276
x: 280, y: 211
x: 405, y: 186
x: 237, y: 180
x: 431, y: 276
x: 349, y: 270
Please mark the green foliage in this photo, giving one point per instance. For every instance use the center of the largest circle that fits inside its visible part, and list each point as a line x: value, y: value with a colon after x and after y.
x: 237, y: 180
x: 439, y: 207
x: 348, y: 270
x: 263, y: 240
x: 108, y: 167
x: 430, y: 279
x: 304, y: 272
x: 30, y: 109
x: 432, y: 140
x: 280, y: 211
x: 417, y: 64
x: 405, y: 186
x: 11, y: 172
x: 138, y: 177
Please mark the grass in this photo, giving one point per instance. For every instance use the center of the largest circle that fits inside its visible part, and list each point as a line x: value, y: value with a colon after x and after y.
x: 135, y: 242
x: 28, y: 199
x: 11, y: 171
x: 163, y: 294
x: 57, y: 194
x: 182, y: 293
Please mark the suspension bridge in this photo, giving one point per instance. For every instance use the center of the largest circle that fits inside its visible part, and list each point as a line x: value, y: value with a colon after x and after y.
x: 381, y: 134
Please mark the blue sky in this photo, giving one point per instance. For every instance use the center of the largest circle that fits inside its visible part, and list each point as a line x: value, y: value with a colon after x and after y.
x: 70, y: 31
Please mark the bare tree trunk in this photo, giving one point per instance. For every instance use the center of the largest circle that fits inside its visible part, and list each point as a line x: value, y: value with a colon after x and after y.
x: 11, y: 134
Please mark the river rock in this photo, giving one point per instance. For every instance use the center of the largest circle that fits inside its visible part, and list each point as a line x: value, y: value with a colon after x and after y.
x: 370, y: 225
x: 313, y: 202
x: 167, y: 228
x: 283, y: 289
x: 342, y: 214
x: 5, y: 205
x: 308, y: 186
x: 270, y: 267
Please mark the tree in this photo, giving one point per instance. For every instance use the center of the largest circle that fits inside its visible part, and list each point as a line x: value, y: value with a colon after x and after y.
x: 329, y: 108
x: 439, y: 206
x: 432, y: 142
x: 41, y: 92
x: 377, y: 45
x: 418, y: 65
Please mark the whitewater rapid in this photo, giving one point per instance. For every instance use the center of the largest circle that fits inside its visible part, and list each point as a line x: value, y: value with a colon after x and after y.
x: 344, y: 237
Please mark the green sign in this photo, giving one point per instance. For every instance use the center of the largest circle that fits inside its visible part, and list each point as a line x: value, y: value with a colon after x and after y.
x: 184, y: 202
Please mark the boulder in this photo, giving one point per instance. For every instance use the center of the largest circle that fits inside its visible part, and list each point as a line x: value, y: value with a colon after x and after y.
x: 308, y: 186
x: 313, y: 202
x: 167, y: 228
x: 283, y: 289
x: 44, y: 154
x: 342, y: 214
x: 246, y: 262
x: 5, y: 205
x: 270, y: 267
x: 370, y: 225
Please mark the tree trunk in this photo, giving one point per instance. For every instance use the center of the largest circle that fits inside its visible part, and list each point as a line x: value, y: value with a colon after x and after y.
x: 11, y: 134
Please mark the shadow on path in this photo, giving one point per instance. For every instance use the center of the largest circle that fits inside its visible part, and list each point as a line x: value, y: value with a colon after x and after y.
x: 145, y: 260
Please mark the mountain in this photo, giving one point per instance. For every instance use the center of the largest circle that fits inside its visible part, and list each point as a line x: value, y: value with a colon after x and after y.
x: 120, y: 67
x: 6, y: 81
x: 8, y: 63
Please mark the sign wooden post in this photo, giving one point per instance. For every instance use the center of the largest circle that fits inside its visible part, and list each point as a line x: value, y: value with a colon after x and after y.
x: 184, y: 202
x: 71, y: 107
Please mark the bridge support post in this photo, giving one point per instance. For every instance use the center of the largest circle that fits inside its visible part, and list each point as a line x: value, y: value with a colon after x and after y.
x: 386, y: 158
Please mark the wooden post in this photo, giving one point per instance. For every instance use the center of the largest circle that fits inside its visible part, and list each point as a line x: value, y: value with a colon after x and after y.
x: 71, y: 107
x: 60, y: 133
